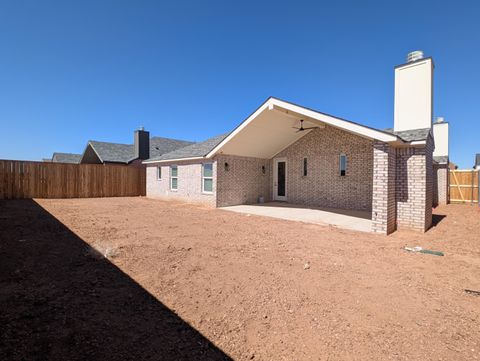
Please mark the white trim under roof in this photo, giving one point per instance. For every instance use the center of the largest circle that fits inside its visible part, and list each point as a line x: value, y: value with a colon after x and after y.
x: 296, y: 111
x: 171, y: 160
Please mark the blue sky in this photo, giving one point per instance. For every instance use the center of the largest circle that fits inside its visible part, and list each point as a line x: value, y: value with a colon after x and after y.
x: 71, y: 71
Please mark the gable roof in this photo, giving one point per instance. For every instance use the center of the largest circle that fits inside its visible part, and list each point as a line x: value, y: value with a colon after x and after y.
x: 268, y: 130
x: 112, y: 152
x: 260, y: 128
x: 66, y: 158
x: 195, y: 150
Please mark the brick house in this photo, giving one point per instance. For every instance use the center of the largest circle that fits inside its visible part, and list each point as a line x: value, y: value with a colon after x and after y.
x: 286, y: 152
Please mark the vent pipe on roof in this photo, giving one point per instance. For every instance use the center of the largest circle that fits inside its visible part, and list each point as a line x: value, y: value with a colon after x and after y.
x: 414, y: 56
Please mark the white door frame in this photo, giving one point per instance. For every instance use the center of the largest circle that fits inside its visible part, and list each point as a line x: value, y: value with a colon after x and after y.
x: 276, y: 197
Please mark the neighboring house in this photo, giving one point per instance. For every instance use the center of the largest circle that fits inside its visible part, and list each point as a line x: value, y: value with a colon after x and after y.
x: 477, y: 161
x: 286, y: 152
x: 66, y: 158
x: 143, y: 147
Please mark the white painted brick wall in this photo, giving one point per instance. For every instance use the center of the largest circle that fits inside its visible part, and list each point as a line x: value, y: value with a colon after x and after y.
x: 189, y: 183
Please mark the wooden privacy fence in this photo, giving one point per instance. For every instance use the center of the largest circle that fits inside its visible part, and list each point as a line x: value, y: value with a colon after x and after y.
x: 23, y: 179
x: 463, y: 186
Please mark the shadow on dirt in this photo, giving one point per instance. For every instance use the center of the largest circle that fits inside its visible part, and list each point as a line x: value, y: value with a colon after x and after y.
x: 437, y: 218
x: 58, y: 303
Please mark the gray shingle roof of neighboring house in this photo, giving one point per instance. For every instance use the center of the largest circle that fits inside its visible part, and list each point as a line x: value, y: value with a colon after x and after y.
x: 194, y: 150
x: 441, y: 159
x: 66, y: 158
x: 112, y: 152
x: 159, y: 145
x: 411, y: 135
x: 124, y: 153
x: 477, y: 160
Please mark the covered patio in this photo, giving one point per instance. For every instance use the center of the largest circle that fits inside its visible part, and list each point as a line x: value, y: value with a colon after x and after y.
x: 307, y: 166
x: 345, y: 219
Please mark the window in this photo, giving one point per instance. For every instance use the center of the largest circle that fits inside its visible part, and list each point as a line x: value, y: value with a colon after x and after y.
x: 174, y: 177
x: 207, y: 178
x: 343, y: 165
x: 159, y: 172
x: 305, y: 167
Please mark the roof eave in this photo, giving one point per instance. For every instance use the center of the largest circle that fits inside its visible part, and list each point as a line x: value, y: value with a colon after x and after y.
x: 346, y: 125
x: 153, y: 161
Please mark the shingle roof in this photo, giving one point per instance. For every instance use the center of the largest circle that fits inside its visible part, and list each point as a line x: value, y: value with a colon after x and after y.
x: 124, y: 153
x: 66, y: 158
x: 194, y: 150
x: 113, y: 152
x: 411, y: 135
x: 203, y: 148
x: 477, y: 160
x: 441, y: 159
x: 159, y: 145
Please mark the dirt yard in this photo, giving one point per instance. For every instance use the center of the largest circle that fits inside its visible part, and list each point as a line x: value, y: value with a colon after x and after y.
x: 182, y: 282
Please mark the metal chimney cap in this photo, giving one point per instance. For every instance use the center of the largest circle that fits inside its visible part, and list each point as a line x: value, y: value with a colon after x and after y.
x: 141, y: 128
x: 414, y: 56
x: 440, y: 120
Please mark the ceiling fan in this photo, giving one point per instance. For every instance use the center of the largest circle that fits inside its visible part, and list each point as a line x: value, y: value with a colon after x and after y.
x: 301, y: 129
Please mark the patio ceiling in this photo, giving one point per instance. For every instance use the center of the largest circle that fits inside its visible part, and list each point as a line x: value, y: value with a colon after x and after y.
x: 270, y: 129
x: 268, y: 134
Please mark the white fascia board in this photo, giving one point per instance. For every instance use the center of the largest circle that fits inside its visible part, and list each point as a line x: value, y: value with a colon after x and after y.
x: 415, y: 143
x: 418, y: 142
x: 172, y: 160
x: 337, y: 122
x: 313, y: 115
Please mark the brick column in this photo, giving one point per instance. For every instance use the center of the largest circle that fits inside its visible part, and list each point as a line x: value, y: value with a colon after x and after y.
x: 415, y: 186
x: 441, y: 178
x: 383, y: 198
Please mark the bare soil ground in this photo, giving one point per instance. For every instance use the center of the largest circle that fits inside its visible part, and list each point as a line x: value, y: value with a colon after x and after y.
x: 182, y: 282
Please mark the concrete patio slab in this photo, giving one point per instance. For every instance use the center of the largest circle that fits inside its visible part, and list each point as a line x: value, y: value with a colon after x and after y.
x: 353, y: 220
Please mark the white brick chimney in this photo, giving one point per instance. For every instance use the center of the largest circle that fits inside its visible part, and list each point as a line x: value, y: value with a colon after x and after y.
x: 440, y: 135
x: 414, y: 93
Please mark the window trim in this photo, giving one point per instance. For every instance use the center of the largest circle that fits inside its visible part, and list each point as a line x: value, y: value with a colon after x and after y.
x: 159, y: 172
x: 340, y: 165
x: 203, y: 178
x: 171, y: 177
